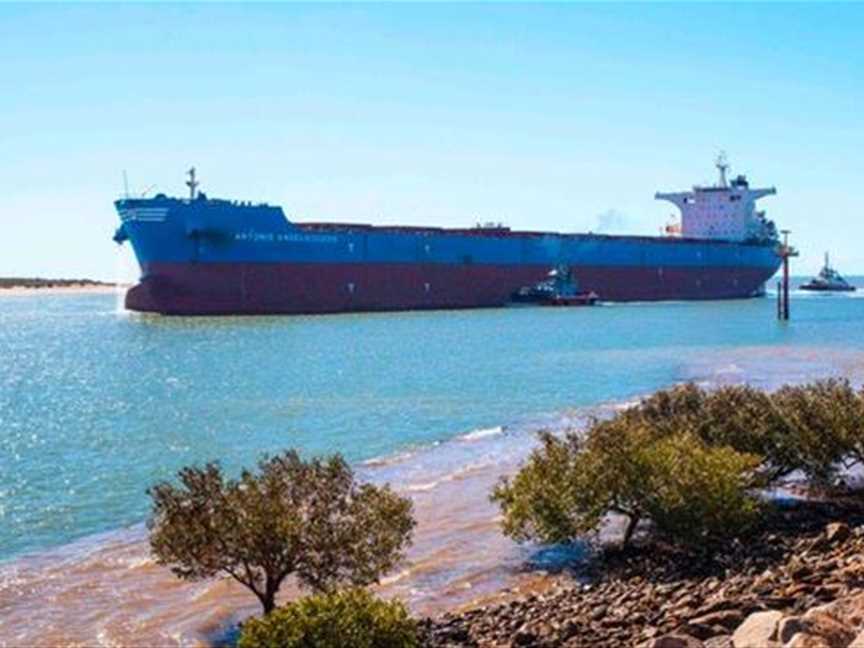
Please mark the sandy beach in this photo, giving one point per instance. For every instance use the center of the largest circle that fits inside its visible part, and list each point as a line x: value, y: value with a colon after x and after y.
x: 72, y: 289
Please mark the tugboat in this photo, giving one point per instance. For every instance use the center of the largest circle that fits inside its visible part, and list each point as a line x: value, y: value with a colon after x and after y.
x: 828, y: 280
x: 560, y: 289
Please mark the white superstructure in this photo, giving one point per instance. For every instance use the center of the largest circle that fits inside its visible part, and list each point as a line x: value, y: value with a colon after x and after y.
x: 724, y: 211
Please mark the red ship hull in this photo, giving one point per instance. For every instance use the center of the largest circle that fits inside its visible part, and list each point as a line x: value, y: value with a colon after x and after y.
x: 307, y: 288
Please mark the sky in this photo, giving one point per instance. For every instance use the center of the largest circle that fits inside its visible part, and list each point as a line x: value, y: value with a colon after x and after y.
x: 542, y: 116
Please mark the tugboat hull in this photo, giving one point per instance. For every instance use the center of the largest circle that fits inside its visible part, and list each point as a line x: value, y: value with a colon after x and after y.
x: 812, y: 288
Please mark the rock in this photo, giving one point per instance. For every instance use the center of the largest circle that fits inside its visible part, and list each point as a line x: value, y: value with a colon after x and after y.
x: 759, y: 630
x: 598, y: 613
x: 676, y: 640
x: 789, y: 627
x: 858, y: 642
x: 829, y: 592
x: 849, y: 609
x: 701, y: 632
x: 729, y: 619
x: 720, y: 641
x: 685, y: 601
x: 805, y: 640
x: 824, y: 624
x: 719, y: 605
x: 837, y: 532
x: 524, y: 637
x: 776, y: 602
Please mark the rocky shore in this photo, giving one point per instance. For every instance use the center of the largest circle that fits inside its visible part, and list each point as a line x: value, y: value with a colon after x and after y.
x: 798, y: 583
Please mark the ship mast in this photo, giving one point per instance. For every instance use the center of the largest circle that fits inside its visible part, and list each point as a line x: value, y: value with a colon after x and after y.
x: 722, y: 166
x: 192, y: 183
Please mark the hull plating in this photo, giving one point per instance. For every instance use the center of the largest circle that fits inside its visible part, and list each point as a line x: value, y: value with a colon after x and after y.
x: 298, y: 288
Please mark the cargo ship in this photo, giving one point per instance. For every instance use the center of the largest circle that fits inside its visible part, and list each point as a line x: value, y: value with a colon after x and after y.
x: 207, y: 256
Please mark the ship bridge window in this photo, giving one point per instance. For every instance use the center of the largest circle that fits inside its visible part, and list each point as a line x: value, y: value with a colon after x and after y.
x: 734, y: 198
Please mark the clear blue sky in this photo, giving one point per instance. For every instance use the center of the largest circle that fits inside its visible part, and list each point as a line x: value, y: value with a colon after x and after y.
x: 542, y: 116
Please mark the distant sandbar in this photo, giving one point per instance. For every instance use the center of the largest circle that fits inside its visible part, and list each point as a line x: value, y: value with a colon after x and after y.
x: 14, y: 286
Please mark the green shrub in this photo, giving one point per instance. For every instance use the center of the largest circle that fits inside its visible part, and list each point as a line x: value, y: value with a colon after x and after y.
x: 665, y: 410
x: 340, y: 619
x: 823, y: 422
x: 748, y: 420
x: 307, y: 518
x: 690, y: 490
x: 686, y: 458
x: 812, y: 428
x: 554, y: 497
x: 695, y: 493
x: 740, y: 417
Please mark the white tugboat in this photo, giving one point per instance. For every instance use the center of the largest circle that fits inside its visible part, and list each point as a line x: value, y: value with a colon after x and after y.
x: 828, y: 280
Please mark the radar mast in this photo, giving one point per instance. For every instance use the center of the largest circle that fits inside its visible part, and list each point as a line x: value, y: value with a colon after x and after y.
x: 722, y: 166
x: 192, y: 183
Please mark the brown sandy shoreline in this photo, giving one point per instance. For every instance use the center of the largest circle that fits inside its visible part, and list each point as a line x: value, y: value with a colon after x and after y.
x: 59, y: 288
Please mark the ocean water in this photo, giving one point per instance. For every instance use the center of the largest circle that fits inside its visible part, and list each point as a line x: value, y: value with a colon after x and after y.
x: 96, y: 404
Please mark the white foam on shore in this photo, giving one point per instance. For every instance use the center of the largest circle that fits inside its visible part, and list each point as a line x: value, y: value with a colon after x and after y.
x: 482, y: 433
x: 389, y: 580
x: 422, y: 487
x: 458, y: 473
x: 620, y: 407
x: 389, y: 459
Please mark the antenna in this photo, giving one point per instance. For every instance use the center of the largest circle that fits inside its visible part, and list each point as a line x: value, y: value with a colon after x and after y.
x: 192, y: 183
x: 125, y: 185
x: 722, y: 166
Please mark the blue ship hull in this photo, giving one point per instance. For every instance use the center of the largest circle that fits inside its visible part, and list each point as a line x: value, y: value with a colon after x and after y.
x: 209, y: 256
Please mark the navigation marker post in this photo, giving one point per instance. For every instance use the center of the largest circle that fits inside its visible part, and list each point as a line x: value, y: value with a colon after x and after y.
x: 785, y: 251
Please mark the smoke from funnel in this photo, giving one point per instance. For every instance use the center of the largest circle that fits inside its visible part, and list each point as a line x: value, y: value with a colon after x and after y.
x: 611, y: 221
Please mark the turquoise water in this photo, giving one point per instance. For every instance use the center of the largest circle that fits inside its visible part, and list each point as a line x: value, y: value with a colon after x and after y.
x: 95, y: 405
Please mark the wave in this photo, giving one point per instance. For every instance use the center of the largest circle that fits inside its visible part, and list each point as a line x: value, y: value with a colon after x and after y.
x: 458, y: 473
x: 389, y: 459
x: 395, y: 578
x: 482, y: 433
x: 625, y: 405
x: 422, y: 487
